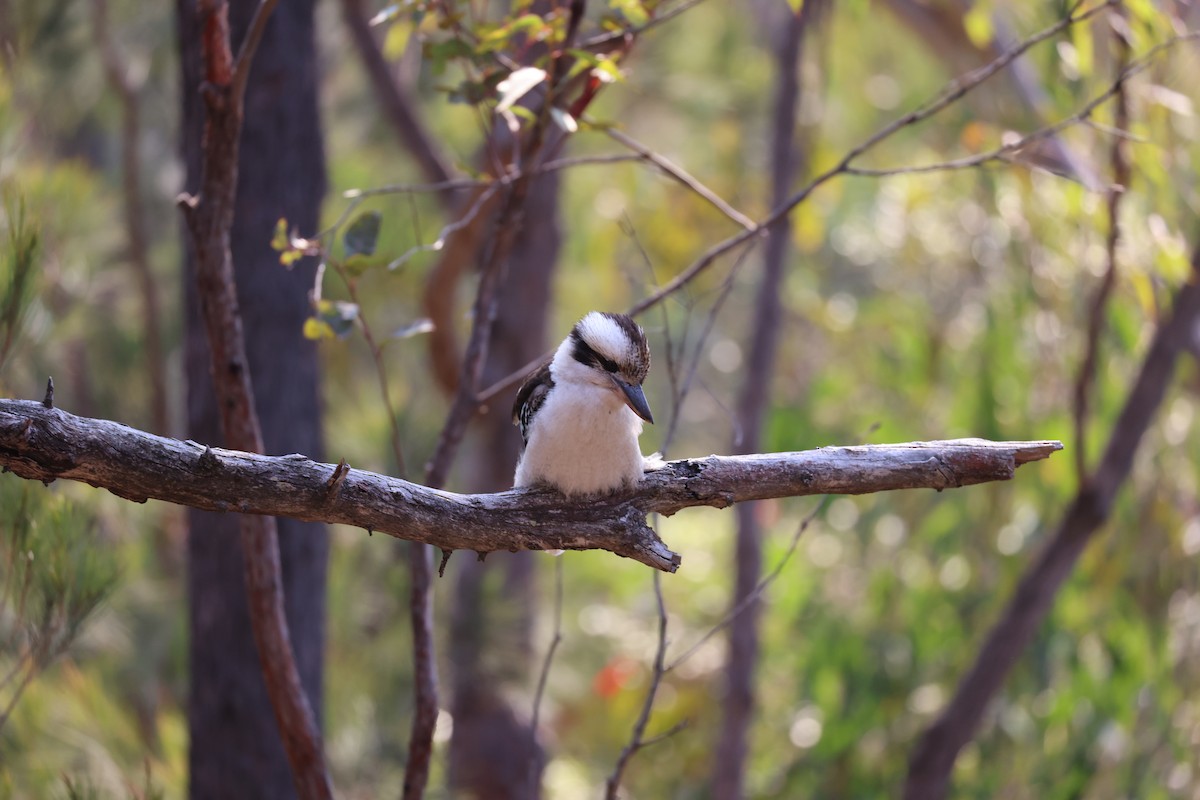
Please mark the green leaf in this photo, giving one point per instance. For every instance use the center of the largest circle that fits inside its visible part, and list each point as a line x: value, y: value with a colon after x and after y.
x: 334, y: 319
x: 317, y: 329
x: 438, y: 53
x: 633, y: 10
x: 280, y: 241
x: 583, y: 61
x: 978, y: 24
x: 362, y: 235
x: 473, y: 92
x: 531, y: 25
x: 607, y: 70
x: 292, y: 248
x: 396, y: 41
x: 524, y: 113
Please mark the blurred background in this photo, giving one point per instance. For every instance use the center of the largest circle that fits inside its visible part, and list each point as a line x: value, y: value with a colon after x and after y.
x: 907, y: 306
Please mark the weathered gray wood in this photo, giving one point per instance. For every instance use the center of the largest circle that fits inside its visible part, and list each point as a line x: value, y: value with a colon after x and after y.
x: 44, y: 444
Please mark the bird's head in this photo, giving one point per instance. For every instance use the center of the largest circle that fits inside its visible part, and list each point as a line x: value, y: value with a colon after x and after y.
x: 608, y: 351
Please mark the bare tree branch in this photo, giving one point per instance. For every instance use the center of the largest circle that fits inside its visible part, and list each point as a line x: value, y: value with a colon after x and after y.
x: 951, y: 94
x: 603, y: 40
x: 943, y: 29
x: 1014, y: 147
x: 681, y: 175
x: 245, y: 56
x: 44, y: 444
x: 933, y: 759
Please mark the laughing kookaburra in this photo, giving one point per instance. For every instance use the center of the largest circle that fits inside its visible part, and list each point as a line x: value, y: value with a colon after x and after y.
x: 581, y: 412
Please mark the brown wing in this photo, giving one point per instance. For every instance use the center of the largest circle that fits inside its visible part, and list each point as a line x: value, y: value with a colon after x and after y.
x: 530, y: 397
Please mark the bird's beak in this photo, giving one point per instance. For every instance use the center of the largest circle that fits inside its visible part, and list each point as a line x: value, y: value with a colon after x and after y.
x: 635, y: 398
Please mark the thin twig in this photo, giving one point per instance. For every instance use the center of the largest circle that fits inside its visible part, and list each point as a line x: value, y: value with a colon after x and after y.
x: 17, y: 692
x: 425, y: 678
x: 682, y: 176
x: 602, y: 40
x: 1115, y: 89
x: 637, y: 735
x: 456, y: 184
x: 457, y: 225
x: 955, y: 91
x: 723, y: 293
x: 208, y: 217
x: 1109, y: 130
x: 555, y: 640
x: 678, y: 727
x: 504, y: 177
x: 762, y: 586
x: 381, y: 375
x: 245, y: 57
x: 17, y: 667
x: 627, y: 227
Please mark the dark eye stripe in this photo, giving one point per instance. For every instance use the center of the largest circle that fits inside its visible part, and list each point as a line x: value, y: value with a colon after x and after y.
x: 585, y: 354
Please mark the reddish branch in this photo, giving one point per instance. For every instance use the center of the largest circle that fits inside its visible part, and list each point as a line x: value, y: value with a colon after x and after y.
x: 209, y: 217
x: 461, y: 377
x: 44, y: 444
x: 933, y: 759
x: 463, y: 408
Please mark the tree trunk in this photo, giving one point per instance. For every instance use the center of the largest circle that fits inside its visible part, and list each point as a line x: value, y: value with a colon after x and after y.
x: 235, y: 749
x: 737, y: 706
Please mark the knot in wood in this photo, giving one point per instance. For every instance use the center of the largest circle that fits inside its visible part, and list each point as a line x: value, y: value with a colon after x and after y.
x: 208, y: 461
x: 689, y: 469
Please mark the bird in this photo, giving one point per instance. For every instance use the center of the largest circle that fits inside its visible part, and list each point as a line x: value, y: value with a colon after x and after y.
x: 581, y: 412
